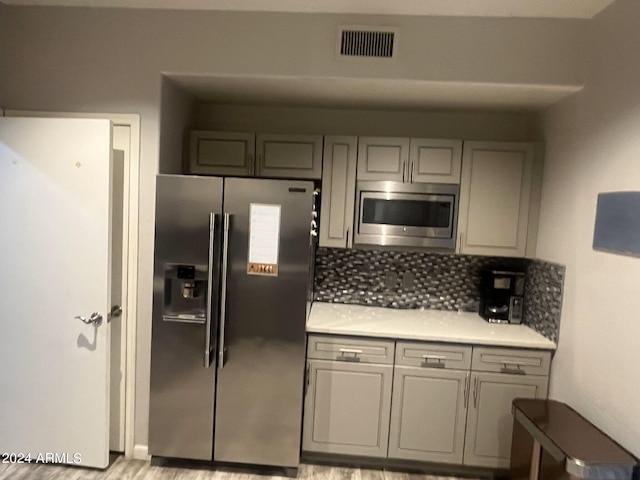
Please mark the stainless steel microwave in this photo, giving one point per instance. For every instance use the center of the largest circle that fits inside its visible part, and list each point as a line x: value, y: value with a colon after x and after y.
x: 406, y: 214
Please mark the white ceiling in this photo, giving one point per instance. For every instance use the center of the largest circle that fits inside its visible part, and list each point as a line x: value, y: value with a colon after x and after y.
x: 470, y: 8
x: 363, y: 93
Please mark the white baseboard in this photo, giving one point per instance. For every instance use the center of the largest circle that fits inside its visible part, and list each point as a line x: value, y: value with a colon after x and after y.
x: 141, y: 452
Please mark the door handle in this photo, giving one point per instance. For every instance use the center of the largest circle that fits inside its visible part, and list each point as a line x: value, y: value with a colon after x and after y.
x: 95, y: 319
x: 223, y: 289
x: 413, y: 168
x: 207, y: 341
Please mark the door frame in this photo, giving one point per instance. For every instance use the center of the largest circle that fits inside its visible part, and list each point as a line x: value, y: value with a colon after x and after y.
x: 130, y: 278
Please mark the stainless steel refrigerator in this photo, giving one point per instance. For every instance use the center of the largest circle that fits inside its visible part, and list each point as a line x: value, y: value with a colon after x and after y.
x: 231, y: 280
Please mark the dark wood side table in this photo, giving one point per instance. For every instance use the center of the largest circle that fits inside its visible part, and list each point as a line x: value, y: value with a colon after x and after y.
x: 551, y: 441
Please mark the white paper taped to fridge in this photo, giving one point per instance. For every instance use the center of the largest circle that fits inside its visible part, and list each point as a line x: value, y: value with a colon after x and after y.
x: 264, y: 233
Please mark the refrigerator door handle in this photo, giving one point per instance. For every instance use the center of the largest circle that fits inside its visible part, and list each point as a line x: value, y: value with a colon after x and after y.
x: 223, y: 289
x: 208, y: 357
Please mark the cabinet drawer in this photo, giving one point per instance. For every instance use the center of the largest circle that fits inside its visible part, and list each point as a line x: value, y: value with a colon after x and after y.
x: 433, y: 355
x: 350, y: 349
x: 508, y: 360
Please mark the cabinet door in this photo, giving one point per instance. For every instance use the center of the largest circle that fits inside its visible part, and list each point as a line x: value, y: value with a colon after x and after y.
x: 222, y: 153
x: 489, y: 420
x: 289, y: 156
x: 383, y: 158
x: 435, y: 160
x: 495, y: 196
x: 347, y: 408
x: 428, y: 414
x: 338, y: 191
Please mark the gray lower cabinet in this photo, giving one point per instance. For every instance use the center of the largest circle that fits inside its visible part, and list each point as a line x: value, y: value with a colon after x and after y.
x: 348, y: 397
x: 347, y: 408
x: 418, y: 401
x: 508, y: 374
x: 429, y: 402
x: 428, y: 414
x: 489, y: 423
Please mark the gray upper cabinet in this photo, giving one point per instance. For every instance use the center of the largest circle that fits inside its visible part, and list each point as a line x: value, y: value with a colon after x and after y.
x: 338, y: 191
x: 221, y: 153
x: 435, y: 161
x: 383, y: 158
x: 263, y: 155
x: 495, y: 198
x: 410, y: 160
x: 289, y: 156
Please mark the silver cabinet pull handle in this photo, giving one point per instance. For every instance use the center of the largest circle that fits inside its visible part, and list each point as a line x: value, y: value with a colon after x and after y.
x: 95, y: 319
x: 207, y: 341
x: 349, y: 351
x: 258, y: 163
x: 223, y: 289
x: 347, y: 237
x: 466, y: 391
x: 475, y: 392
x: 510, y: 362
x: 460, y: 241
x: 413, y: 168
x: 404, y: 170
x: 252, y: 166
x: 434, y: 357
x: 509, y: 366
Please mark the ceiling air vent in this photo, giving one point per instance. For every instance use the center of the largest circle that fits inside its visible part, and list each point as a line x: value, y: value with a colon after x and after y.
x: 365, y: 42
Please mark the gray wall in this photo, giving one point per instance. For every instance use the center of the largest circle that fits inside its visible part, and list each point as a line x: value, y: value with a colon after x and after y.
x: 83, y: 59
x: 593, y: 146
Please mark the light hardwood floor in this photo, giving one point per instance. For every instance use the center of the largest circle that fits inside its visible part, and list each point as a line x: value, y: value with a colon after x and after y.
x: 124, y: 469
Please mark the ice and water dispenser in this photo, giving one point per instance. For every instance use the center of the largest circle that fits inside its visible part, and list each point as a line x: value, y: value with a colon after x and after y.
x: 185, y: 298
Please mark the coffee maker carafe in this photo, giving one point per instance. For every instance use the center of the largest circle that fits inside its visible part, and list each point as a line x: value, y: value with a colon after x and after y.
x: 502, y: 296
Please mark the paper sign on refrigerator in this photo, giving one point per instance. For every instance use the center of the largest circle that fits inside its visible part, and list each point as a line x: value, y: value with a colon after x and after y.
x: 264, y: 239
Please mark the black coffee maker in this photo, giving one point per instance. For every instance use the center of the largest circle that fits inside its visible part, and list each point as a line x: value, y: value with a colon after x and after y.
x: 502, y: 296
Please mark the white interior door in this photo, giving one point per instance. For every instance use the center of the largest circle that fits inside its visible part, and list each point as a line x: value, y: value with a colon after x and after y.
x: 55, y: 254
x: 119, y: 260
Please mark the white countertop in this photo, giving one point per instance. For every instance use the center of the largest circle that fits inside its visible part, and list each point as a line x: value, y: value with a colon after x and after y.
x: 427, y: 325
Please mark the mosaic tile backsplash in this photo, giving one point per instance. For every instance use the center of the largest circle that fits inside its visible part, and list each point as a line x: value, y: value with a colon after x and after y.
x: 399, y: 279
x: 543, y: 298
